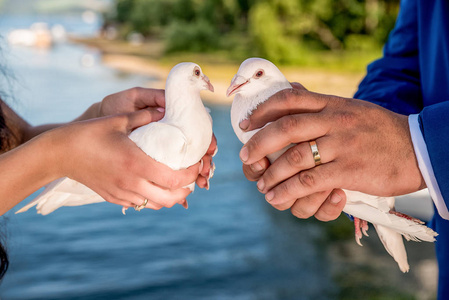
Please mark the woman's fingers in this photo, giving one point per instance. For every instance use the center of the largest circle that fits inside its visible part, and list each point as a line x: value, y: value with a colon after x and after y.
x: 213, y: 147
x: 144, y: 97
x: 143, y: 117
x: 163, y: 197
x: 165, y: 177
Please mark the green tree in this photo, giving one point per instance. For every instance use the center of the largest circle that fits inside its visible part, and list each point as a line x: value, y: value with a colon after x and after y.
x: 280, y: 30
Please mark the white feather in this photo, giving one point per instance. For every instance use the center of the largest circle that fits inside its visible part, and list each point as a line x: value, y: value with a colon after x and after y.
x: 375, y: 210
x: 179, y: 140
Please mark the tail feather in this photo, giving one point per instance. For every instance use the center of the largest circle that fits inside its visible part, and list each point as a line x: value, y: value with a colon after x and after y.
x: 62, y: 192
x: 408, y: 228
x: 394, y: 245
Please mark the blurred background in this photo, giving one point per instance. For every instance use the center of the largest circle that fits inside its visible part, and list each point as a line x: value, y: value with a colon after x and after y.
x: 60, y: 56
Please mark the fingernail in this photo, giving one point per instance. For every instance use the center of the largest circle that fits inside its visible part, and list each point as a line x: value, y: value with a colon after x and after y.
x: 261, y: 184
x: 212, y: 170
x: 185, y: 204
x: 244, y: 124
x: 269, y: 196
x: 335, y: 198
x: 201, y: 167
x: 256, y: 167
x: 160, y: 109
x: 244, y: 154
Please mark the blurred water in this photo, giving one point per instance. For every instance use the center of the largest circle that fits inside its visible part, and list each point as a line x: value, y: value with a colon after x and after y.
x: 229, y: 244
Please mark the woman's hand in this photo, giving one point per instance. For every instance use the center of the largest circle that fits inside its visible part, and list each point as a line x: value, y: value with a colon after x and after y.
x: 132, y: 100
x: 164, y: 194
x: 99, y: 154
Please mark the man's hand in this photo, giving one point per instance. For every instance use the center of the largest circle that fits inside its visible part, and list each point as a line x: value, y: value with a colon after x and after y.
x: 363, y: 147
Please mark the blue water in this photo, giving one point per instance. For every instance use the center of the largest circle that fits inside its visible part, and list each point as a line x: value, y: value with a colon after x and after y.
x: 229, y: 244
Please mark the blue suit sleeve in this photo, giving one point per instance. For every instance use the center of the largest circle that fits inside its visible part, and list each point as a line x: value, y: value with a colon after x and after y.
x: 434, y: 120
x: 394, y: 80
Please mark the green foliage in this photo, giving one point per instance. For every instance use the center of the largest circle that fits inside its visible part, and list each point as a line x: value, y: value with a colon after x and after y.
x: 270, y: 39
x: 198, y: 36
x: 280, y: 30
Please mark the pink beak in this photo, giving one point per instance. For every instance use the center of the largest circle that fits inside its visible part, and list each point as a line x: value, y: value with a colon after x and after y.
x: 209, y: 87
x: 236, y: 83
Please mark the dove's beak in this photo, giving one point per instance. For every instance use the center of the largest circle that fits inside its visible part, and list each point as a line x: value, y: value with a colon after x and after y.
x: 236, y: 83
x: 208, y: 85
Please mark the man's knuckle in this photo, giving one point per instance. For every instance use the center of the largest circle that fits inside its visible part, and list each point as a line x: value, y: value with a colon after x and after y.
x: 254, y: 142
x: 287, y: 123
x: 285, y: 189
x: 269, y: 175
x: 306, y: 179
x: 295, y: 157
x: 299, y: 212
x: 346, y: 118
x: 282, y: 96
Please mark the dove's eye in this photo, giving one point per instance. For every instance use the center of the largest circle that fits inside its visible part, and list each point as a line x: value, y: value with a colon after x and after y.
x: 258, y: 74
x: 197, y: 72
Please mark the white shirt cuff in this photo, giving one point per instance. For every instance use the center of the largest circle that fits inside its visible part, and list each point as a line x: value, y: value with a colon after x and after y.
x: 425, y: 166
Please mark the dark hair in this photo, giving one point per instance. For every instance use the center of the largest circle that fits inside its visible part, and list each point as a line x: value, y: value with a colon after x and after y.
x: 5, y: 133
x: 4, y: 261
x: 5, y: 145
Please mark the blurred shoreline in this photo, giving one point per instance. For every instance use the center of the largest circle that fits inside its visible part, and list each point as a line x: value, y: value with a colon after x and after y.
x: 147, y: 59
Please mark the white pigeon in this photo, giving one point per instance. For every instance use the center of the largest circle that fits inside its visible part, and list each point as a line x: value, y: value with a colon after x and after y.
x: 256, y: 80
x: 179, y: 140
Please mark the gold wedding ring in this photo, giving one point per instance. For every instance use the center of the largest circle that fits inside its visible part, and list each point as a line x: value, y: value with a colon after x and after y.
x: 139, y: 208
x: 315, y: 153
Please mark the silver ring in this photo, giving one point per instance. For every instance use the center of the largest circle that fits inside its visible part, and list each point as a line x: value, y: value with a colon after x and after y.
x: 315, y: 153
x: 140, y: 207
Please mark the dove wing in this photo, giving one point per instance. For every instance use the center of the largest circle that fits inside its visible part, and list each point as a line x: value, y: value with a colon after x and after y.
x: 163, y: 142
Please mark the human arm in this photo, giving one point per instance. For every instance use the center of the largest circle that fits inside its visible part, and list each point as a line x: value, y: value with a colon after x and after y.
x: 127, y: 101
x: 122, y: 182
x: 123, y: 174
x: 411, y: 79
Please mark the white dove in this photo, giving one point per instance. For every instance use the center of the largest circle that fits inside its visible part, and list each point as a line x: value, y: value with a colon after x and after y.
x: 180, y: 139
x: 256, y: 80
